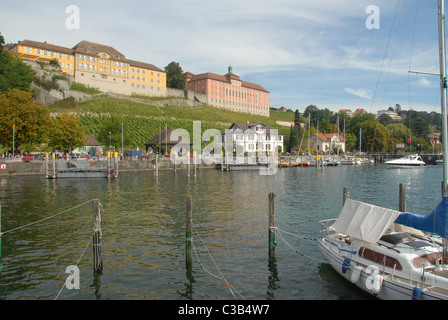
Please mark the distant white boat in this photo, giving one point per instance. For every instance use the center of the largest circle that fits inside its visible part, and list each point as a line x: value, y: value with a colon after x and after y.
x: 412, y: 161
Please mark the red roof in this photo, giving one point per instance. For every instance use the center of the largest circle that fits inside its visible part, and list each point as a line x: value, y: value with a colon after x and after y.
x: 326, y: 136
x: 224, y: 78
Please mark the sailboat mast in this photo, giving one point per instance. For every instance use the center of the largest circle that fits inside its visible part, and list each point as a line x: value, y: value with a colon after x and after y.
x: 443, y: 85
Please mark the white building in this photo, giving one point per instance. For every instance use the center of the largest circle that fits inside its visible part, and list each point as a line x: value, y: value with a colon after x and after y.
x: 253, y: 138
x: 327, y: 142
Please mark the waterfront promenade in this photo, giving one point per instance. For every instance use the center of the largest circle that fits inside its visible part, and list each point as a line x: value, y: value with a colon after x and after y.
x: 37, y: 167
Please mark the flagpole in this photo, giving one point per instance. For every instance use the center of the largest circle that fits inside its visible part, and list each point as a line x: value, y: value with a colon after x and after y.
x: 13, y: 135
x: 122, y: 154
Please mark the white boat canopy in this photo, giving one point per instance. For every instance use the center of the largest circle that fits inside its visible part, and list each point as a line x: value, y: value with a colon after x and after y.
x: 364, y: 221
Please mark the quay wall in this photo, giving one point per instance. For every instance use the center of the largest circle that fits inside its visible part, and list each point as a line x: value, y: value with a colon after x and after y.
x: 37, y: 167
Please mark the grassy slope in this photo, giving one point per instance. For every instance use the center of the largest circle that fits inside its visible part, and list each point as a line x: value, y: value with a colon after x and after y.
x: 145, y: 119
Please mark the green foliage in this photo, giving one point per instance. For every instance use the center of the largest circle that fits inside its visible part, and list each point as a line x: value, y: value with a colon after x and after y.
x: 14, y: 73
x: 66, y: 133
x: 109, y: 132
x: 49, y: 84
x: 32, y: 119
x: 175, y: 77
x: 69, y: 102
x: 76, y: 86
x: 55, y: 63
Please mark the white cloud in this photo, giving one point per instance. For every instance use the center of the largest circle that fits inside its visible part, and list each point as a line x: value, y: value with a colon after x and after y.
x: 362, y: 93
x: 318, y: 42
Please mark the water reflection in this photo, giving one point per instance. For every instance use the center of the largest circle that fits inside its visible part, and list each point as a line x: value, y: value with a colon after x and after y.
x: 143, y: 224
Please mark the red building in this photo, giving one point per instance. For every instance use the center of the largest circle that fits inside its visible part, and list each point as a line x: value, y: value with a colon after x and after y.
x: 230, y: 92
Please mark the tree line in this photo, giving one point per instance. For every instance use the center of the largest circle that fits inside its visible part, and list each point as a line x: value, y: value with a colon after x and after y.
x: 378, y: 135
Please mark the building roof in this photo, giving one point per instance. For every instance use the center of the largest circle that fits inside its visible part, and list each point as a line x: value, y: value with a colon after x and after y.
x: 165, y: 137
x: 87, y: 48
x: 143, y: 65
x: 251, y: 127
x: 91, y: 142
x: 224, y: 78
x: 326, y: 136
x: 92, y: 48
x: 45, y: 46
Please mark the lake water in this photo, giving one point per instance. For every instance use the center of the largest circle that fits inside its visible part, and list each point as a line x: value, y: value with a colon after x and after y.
x: 143, y: 226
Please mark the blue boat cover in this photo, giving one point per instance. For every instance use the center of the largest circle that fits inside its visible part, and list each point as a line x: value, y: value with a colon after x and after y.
x: 435, y: 221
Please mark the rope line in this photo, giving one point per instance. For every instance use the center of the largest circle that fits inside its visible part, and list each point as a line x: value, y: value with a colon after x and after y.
x: 231, y: 288
x: 49, y: 217
x: 278, y: 231
x: 79, y: 259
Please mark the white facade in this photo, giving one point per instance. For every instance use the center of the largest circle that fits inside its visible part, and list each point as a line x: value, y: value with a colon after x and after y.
x: 253, y: 138
x: 327, y: 143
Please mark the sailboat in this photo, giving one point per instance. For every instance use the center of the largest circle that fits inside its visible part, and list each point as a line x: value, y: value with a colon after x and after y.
x: 390, y: 254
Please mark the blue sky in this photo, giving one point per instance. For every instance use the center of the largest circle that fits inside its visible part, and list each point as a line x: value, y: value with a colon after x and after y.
x: 302, y: 51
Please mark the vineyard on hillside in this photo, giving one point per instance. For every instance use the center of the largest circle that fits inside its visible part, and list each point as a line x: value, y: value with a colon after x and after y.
x: 145, y: 121
x: 144, y: 129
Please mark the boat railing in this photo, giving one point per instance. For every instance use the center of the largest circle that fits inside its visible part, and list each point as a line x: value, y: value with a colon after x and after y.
x: 325, y: 226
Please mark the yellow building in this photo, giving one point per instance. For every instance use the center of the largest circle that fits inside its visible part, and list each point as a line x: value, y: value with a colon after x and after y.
x: 43, y: 51
x: 98, y: 66
x: 144, y: 75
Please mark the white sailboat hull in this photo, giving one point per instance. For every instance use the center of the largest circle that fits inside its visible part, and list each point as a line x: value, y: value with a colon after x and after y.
x: 384, y: 287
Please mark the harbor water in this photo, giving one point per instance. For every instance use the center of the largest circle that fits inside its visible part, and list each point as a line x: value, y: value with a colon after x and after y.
x: 143, y: 232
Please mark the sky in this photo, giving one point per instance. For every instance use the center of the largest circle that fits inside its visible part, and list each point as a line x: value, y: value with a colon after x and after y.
x: 335, y: 54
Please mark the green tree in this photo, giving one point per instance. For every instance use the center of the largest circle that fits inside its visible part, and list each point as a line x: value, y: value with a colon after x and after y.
x: 350, y: 140
x: 175, y: 77
x: 375, y: 136
x: 109, y: 133
x: 66, y: 133
x: 31, y: 119
x: 2, y: 43
x: 420, y: 127
x: 14, y: 73
x: 399, y: 131
x: 293, y: 142
x: 385, y: 119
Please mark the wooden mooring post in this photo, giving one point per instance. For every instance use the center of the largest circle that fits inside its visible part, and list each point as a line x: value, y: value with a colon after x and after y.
x: 345, y: 194
x: 188, y: 235
x: 1, y: 263
x: 188, y: 163
x: 97, y: 260
x: 271, y: 227
x: 108, y: 164
x: 194, y: 162
x: 116, y: 164
x: 401, y: 202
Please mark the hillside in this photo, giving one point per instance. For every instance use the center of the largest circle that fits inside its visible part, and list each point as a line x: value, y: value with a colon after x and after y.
x: 147, y: 116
